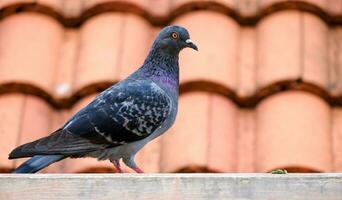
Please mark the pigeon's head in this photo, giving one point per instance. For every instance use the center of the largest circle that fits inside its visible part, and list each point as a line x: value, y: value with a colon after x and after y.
x: 172, y: 39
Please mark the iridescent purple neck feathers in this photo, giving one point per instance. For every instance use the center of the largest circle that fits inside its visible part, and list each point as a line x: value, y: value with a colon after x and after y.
x: 162, y: 68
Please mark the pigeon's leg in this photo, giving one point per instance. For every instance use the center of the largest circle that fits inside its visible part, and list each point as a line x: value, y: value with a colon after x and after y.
x: 138, y: 170
x: 117, y: 165
x: 131, y: 164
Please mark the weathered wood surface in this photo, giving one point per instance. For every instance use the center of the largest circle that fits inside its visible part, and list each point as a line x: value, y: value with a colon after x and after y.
x: 171, y: 186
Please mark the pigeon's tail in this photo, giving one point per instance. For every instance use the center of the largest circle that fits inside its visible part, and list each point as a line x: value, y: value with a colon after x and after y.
x: 37, y: 163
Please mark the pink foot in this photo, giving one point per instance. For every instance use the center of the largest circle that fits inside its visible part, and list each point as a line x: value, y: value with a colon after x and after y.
x: 138, y: 170
x: 117, y: 166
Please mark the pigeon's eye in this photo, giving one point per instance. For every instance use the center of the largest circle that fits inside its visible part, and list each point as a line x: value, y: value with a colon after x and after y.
x: 174, y: 35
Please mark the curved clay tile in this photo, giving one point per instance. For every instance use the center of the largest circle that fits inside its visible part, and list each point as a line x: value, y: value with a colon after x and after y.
x: 73, y: 13
x: 278, y: 48
x: 246, y: 62
x: 293, y: 129
x: 148, y: 158
x: 337, y: 138
x: 245, y: 141
x: 91, y: 3
x: 4, y: 3
x: 322, y: 4
x: 197, y: 140
x: 72, y: 8
x: 29, y: 45
x: 186, y: 142
x: 247, y: 7
x: 11, y: 107
x: 57, y: 5
x: 98, y: 170
x: 36, y: 117
x: 315, y: 50
x: 81, y: 165
x: 222, y: 141
x: 100, y: 44
x: 193, y: 3
x: 217, y: 55
x: 195, y: 169
x: 65, y: 72
x: 136, y: 40
x: 335, y: 7
x: 111, y: 48
x: 335, y: 60
x: 158, y: 8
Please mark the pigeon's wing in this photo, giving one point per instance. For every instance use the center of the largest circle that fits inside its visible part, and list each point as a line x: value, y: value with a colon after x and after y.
x: 124, y: 113
x: 61, y: 142
x: 128, y: 112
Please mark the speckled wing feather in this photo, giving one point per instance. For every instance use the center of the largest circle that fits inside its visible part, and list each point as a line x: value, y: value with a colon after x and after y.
x: 61, y: 142
x: 126, y: 112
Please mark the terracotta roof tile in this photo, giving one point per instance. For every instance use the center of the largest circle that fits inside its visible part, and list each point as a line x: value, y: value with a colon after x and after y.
x: 247, y: 7
x: 215, y: 62
x: 36, y: 121
x: 184, y: 131
x: 227, y: 3
x: 149, y: 157
x: 11, y: 107
x: 86, y: 165
x: 279, y: 33
x: 323, y: 4
x: 159, y: 8
x: 210, y: 134
x: 100, y: 44
x: 315, y: 50
x: 91, y: 3
x: 246, y: 62
x: 56, y: 4
x: 134, y: 44
x: 75, y: 12
x: 264, y: 88
x: 36, y: 50
x: 65, y: 72
x: 222, y: 134
x: 4, y: 3
x: 335, y: 60
x: 299, y: 135
x: 72, y: 8
x: 335, y: 6
x: 35, y: 111
x: 246, y: 141
x: 337, y: 138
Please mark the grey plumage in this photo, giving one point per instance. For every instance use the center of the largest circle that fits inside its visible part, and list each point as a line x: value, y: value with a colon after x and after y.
x: 121, y: 119
x: 37, y: 163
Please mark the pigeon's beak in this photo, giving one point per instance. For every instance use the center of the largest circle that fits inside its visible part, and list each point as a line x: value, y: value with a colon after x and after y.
x: 191, y: 44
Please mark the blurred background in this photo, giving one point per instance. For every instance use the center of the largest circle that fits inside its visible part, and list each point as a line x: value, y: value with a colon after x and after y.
x: 263, y: 92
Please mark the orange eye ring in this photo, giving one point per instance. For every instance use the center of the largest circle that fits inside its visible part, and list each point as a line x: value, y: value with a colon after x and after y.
x: 174, y: 35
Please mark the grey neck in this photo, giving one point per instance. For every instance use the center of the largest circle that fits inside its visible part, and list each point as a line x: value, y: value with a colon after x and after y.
x: 163, y: 69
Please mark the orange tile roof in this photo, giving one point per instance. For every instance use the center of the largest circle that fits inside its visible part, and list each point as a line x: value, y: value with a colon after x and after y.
x: 263, y: 92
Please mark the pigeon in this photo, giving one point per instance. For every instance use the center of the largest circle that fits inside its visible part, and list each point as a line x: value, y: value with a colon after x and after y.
x: 122, y: 118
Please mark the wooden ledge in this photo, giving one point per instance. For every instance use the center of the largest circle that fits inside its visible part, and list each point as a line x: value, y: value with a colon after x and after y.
x: 325, y: 186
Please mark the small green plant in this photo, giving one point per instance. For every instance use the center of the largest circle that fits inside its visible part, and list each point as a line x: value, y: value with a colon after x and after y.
x: 279, y: 171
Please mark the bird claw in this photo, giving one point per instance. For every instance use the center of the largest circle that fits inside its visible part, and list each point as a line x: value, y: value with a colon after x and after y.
x: 119, y: 170
x: 117, y: 166
x: 138, y: 170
